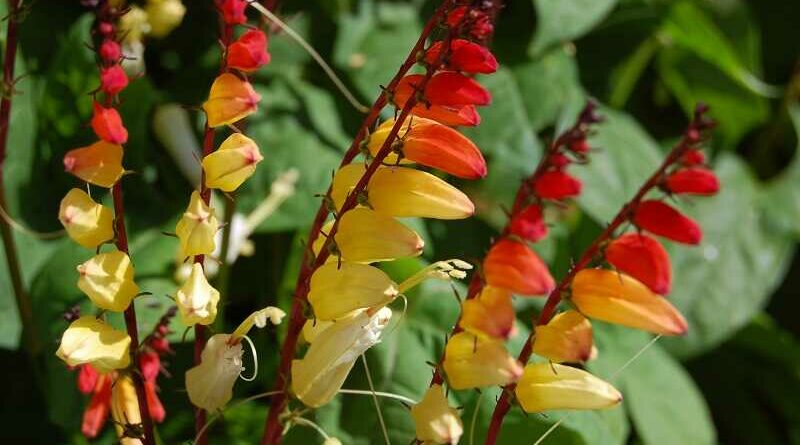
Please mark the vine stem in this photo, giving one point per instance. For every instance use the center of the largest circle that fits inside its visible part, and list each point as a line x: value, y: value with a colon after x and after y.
x: 688, y: 140
x: 273, y: 429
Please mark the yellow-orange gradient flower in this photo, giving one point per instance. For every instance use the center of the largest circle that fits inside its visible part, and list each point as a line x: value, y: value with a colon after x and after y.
x: 473, y: 362
x: 86, y: 222
x: 89, y: 340
x: 99, y: 164
x: 566, y: 338
x: 490, y: 313
x: 196, y: 228
x: 546, y: 386
x: 230, y: 100
x: 337, y: 290
x: 235, y: 161
x: 107, y: 279
x: 514, y: 266
x: 435, y: 421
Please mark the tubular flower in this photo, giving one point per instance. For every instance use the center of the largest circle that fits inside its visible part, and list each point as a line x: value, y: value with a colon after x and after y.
x: 465, y: 56
x: 337, y: 290
x: 235, y: 161
x: 617, y: 298
x: 88, y: 340
x: 366, y: 236
x: 107, y: 279
x: 230, y: 100
x: 663, y: 220
x: 489, y: 314
x: 480, y: 25
x: 110, y: 51
x: 113, y: 80
x: 95, y: 415
x: 404, y: 192
x: 432, y: 144
x: 107, y: 125
x: 557, y: 184
x: 99, y: 164
x: 529, y: 224
x: 434, y: 420
x: 249, y: 52
x: 210, y: 384
x: 643, y: 258
x: 87, y: 379
x: 474, y: 362
x: 319, y: 375
x: 514, y: 266
x: 547, y: 386
x: 450, y: 98
x: 125, y: 409
x: 196, y: 299
x: 196, y: 228
x: 163, y: 16
x: 693, y: 181
x: 566, y: 338
x: 233, y: 11
x: 86, y: 222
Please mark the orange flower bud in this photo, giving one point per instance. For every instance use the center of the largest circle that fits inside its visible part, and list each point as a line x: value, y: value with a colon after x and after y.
x: 474, y: 362
x: 620, y: 299
x: 89, y: 340
x: 249, y: 52
x: 566, y: 338
x: 514, y: 266
x: 99, y: 164
x: 197, y: 228
x: 107, y: 279
x: 434, y: 420
x: 230, y: 100
x: 432, y: 144
x: 232, y: 164
x: 86, y: 222
x: 490, y: 313
x: 465, y: 56
x: 548, y: 386
x: 337, y: 290
x: 663, y: 220
x: 107, y: 125
x: 643, y: 258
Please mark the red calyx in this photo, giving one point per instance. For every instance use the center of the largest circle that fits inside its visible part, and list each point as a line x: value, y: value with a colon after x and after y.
x: 643, y: 258
x: 110, y: 51
x: 693, y: 181
x: 559, y: 160
x: 113, y: 80
x: 663, y: 220
x: 556, y: 184
x: 249, y: 52
x: 529, y: 224
x: 465, y: 56
x: 107, y: 125
x: 693, y: 157
x: 233, y: 11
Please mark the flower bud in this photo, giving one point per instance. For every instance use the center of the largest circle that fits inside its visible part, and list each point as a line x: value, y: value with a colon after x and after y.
x: 107, y: 125
x: 110, y: 51
x: 133, y: 25
x: 557, y: 184
x: 450, y: 98
x: 474, y: 362
x: 99, y: 164
x: 86, y: 222
x: 232, y: 164
x: 87, y: 379
x: 692, y: 181
x: 478, y: 24
x: 107, y: 279
x: 620, y: 299
x: 113, y: 80
x: 210, y: 384
x: 249, y: 52
x: 233, y: 11
x: 529, y: 224
x: 89, y: 340
x: 337, y: 290
x: 150, y: 364
x: 125, y: 408
x: 196, y: 228
x: 549, y: 386
x: 465, y: 56
x: 663, y: 220
x: 154, y: 406
x: 196, y: 299
x: 230, y: 100
x: 514, y: 266
x: 319, y: 375
x: 432, y: 144
x: 643, y: 258
x: 435, y: 421
x: 565, y: 338
x: 490, y: 313
x: 164, y: 16
x: 94, y: 418
x: 693, y: 157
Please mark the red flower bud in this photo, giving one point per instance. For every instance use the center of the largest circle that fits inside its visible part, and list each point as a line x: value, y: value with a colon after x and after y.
x: 87, y: 378
x: 110, y: 51
x: 107, y: 125
x: 249, y: 52
x: 154, y: 406
x: 150, y: 363
x: 694, y: 181
x: 478, y: 25
x: 160, y: 345
x: 451, y: 88
x: 464, y: 56
x: 113, y: 80
x: 643, y: 258
x: 529, y: 224
x: 514, y: 266
x: 559, y: 160
x: 556, y: 184
x: 106, y: 28
x: 580, y: 146
x: 693, y: 157
x: 663, y: 220
x: 450, y: 97
x: 233, y: 11
x: 94, y: 418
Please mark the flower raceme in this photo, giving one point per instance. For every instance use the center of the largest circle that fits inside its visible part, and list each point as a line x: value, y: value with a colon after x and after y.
x: 232, y: 163
x: 249, y: 52
x: 643, y: 258
x: 548, y: 386
x: 107, y: 279
x: 87, y: 223
x: 514, y: 266
x: 230, y: 100
x: 662, y: 220
x: 196, y: 299
x: 473, y: 362
x: 490, y: 314
x: 565, y: 338
x: 99, y: 164
x: 450, y: 97
x: 89, y: 340
x: 435, y: 421
x: 196, y: 229
x: 465, y: 56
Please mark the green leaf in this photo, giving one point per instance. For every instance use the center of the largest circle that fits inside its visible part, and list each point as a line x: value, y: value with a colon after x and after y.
x: 559, y: 21
x: 782, y: 195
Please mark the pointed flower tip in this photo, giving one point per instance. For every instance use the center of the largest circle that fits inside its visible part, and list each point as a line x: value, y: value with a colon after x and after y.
x: 549, y: 386
x: 661, y: 219
x: 692, y: 181
x: 233, y: 163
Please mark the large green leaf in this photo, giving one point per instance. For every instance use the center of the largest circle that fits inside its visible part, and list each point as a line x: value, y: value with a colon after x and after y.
x: 782, y: 197
x: 563, y: 20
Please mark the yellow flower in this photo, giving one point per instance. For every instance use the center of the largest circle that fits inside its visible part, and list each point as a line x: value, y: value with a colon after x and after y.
x: 546, y: 386
x: 133, y: 25
x: 235, y: 161
x: 319, y: 375
x: 87, y: 222
x: 566, y: 338
x: 435, y: 421
x: 107, y: 279
x: 490, y: 313
x: 89, y: 340
x: 474, y: 362
x: 230, y: 100
x: 125, y: 408
x: 337, y: 290
x: 99, y: 164
x: 164, y: 16
x: 618, y: 298
x: 197, y: 228
x: 196, y: 299
x: 401, y: 192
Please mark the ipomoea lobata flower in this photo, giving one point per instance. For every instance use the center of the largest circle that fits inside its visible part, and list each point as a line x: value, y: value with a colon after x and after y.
x: 557, y: 184
x: 196, y: 299
x: 514, y: 266
x: 230, y: 100
x: 693, y: 181
x: 235, y: 161
x: 404, y: 192
x: 125, y: 409
x: 337, y: 290
x: 465, y: 56
x: 661, y: 219
x: 450, y: 97
x: 473, y: 362
x: 107, y: 279
x: 435, y: 421
x: 529, y: 224
x: 620, y: 299
x: 89, y: 340
x: 643, y: 258
x: 210, y: 384
x: 319, y: 375
x: 86, y: 222
x: 113, y: 80
x: 490, y: 313
x: 96, y: 413
x: 233, y: 11
x: 567, y: 337
x: 164, y: 16
x: 99, y: 164
x: 249, y: 52
x: 197, y: 227
x: 548, y: 386
x: 107, y: 124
